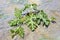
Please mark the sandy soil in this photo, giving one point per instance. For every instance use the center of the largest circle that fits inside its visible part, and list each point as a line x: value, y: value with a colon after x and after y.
x: 52, y: 8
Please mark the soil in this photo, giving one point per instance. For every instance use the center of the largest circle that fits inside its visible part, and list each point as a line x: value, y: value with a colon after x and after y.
x: 52, y: 8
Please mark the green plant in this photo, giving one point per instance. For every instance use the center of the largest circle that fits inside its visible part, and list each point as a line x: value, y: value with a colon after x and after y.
x: 31, y: 19
x: 19, y: 31
x: 33, y: 6
x: 44, y: 18
x: 53, y: 19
